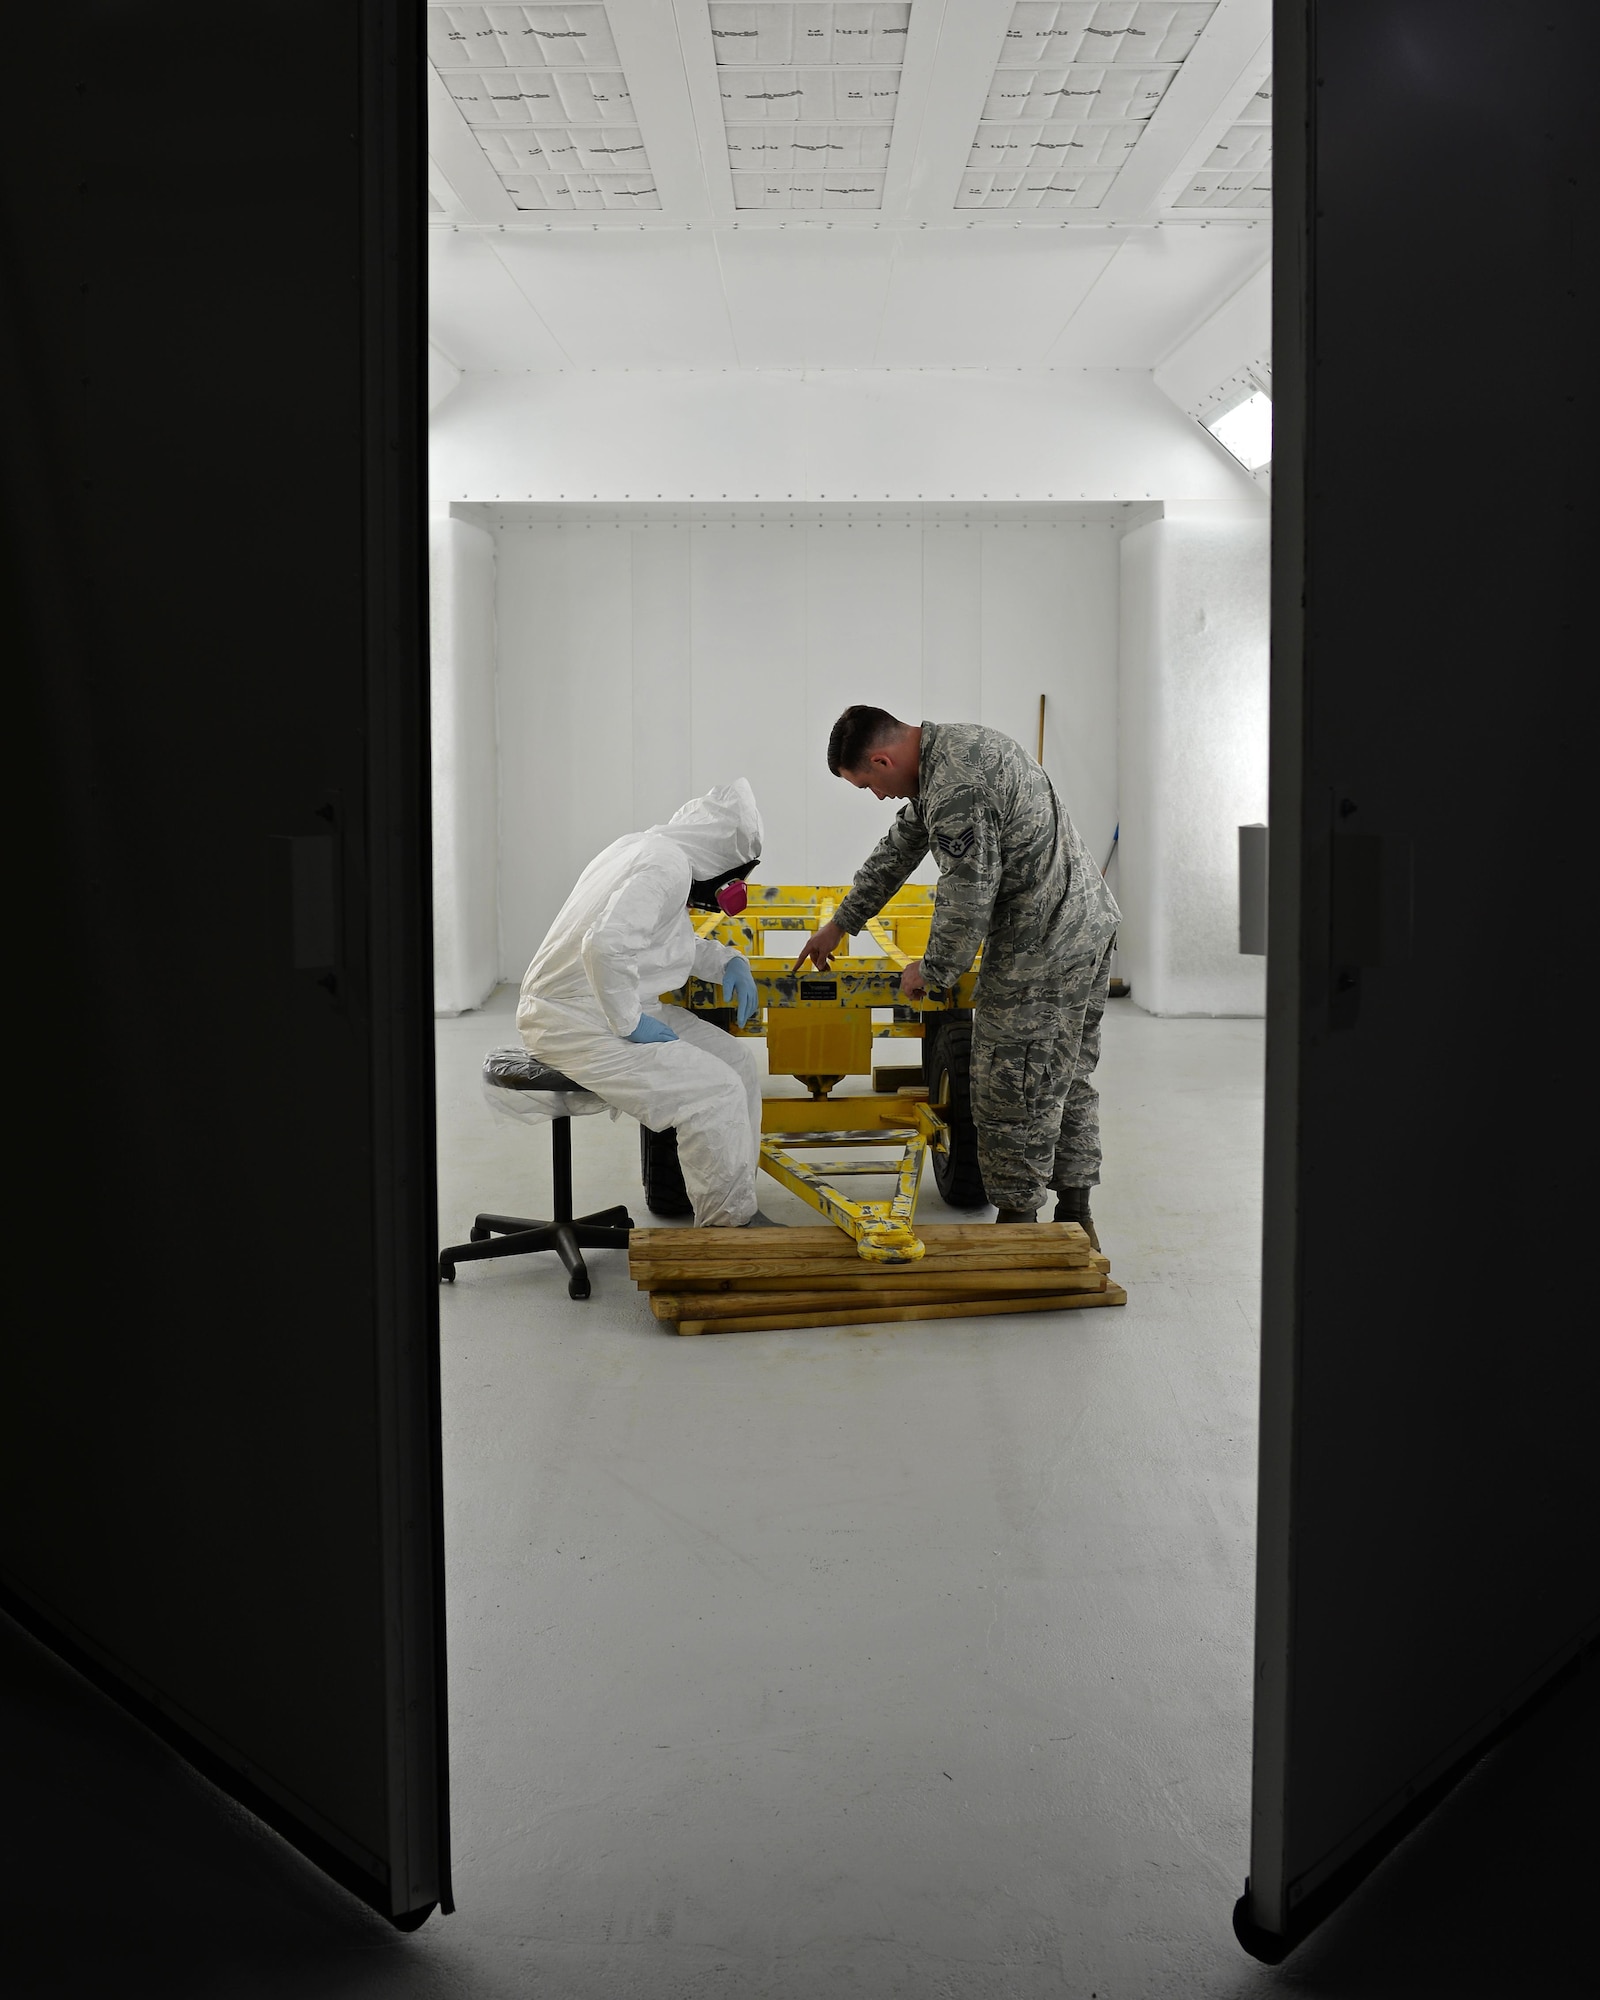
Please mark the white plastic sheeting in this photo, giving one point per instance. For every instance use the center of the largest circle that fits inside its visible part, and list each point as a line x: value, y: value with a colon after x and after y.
x: 1193, y: 754
x: 465, y: 778
x: 689, y: 650
x: 531, y: 1107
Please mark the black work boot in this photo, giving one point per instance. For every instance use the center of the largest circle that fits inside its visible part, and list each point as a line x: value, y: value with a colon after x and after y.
x: 1017, y: 1215
x: 1072, y: 1205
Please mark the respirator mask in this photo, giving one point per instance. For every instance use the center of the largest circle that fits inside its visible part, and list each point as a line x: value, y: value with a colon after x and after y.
x: 725, y: 892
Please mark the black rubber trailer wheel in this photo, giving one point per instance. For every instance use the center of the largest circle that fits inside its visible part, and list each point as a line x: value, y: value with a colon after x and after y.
x: 947, y: 1063
x: 664, y: 1191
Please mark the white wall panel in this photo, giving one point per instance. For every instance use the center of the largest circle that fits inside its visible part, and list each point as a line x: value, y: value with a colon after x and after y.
x: 595, y: 291
x: 611, y: 293
x: 1074, y: 434
x: 640, y: 664
x: 566, y: 732
x: 1152, y: 294
x: 1237, y: 333
x: 748, y: 677
x: 1193, y: 750
x: 805, y: 301
x: 1020, y: 288
x: 663, y: 651
x: 478, y: 314
x: 863, y: 644
x: 1050, y: 628
x: 466, y: 940
x: 952, y: 624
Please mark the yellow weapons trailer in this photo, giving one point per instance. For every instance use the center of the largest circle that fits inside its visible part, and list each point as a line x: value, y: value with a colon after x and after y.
x: 819, y: 1028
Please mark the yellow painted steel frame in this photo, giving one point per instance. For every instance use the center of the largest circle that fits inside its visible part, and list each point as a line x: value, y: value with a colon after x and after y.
x: 855, y: 981
x: 813, y: 1041
x: 882, y: 1230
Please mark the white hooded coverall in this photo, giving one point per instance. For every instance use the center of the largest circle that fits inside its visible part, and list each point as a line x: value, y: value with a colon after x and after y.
x: 624, y: 937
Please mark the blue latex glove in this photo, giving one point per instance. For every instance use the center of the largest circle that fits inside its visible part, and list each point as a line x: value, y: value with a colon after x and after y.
x: 651, y: 1030
x: 739, y: 985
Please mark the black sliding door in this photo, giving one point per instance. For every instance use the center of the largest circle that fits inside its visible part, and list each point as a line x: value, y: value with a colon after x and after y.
x: 219, y: 1426
x: 1430, y: 1485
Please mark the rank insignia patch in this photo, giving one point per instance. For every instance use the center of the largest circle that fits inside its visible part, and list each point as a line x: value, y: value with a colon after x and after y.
x: 957, y: 844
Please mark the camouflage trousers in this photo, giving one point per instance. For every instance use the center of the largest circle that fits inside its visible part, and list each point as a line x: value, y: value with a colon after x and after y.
x: 1034, y: 1050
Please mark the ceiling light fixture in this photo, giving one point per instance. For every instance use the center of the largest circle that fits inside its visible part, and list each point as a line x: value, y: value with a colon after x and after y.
x: 1244, y: 428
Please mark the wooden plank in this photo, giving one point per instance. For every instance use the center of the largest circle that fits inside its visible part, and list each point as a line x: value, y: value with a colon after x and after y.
x: 827, y: 1241
x: 876, y: 1278
x: 653, y: 1277
x: 1113, y: 1295
x: 718, y: 1305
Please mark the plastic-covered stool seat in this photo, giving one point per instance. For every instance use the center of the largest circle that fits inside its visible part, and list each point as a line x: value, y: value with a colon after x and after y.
x: 545, y: 1093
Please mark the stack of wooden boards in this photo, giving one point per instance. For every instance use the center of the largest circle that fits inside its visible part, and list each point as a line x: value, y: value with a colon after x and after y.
x: 759, y: 1280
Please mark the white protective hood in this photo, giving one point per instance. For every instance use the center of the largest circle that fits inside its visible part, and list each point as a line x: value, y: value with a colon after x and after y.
x: 717, y: 832
x: 624, y: 936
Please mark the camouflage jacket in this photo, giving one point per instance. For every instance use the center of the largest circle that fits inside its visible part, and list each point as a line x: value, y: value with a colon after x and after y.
x: 1014, y: 875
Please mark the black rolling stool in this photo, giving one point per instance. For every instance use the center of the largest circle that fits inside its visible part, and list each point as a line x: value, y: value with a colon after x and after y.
x: 567, y: 1234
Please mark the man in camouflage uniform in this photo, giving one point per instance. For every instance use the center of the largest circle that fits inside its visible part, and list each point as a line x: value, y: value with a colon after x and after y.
x: 1015, y: 878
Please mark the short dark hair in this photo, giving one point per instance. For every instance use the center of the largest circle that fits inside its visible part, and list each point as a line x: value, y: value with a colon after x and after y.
x: 857, y: 733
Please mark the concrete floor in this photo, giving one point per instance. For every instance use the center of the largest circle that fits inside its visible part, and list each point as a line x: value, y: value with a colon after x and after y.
x: 900, y: 1662
x: 878, y: 1661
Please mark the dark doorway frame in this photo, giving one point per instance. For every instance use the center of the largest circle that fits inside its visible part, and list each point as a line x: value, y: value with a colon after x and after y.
x: 222, y: 1496
x: 1429, y: 1530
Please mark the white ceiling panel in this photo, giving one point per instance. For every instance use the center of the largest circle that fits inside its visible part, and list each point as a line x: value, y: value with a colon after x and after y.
x: 1088, y: 95
x: 651, y: 299
x: 806, y: 96
x: 1237, y: 173
x: 551, y: 37
x: 540, y: 96
x: 1052, y: 144
x: 833, y: 188
x: 478, y: 314
x: 972, y: 299
x: 804, y: 299
x: 1104, y: 31
x: 1074, y: 90
x: 1040, y: 189
x: 771, y: 31
x: 564, y: 149
x: 587, y: 193
x: 796, y: 84
x: 777, y: 183
x: 1246, y: 149
x: 554, y: 70
x: 763, y: 148
x: 1159, y: 285
x: 1251, y: 192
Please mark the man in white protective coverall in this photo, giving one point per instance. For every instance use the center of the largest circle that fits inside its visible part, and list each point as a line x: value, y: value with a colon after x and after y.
x: 590, y: 1002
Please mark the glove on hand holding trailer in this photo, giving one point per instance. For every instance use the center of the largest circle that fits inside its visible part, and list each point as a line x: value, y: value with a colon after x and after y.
x: 739, y: 984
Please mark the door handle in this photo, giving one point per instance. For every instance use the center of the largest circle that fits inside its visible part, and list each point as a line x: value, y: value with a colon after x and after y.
x: 309, y: 927
x: 1355, y: 912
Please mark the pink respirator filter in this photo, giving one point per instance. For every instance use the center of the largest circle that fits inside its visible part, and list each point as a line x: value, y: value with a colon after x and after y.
x: 731, y: 898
